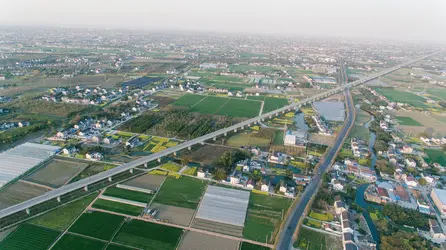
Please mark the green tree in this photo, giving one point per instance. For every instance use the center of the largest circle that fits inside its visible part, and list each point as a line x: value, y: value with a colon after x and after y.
x: 422, y: 181
x: 220, y: 174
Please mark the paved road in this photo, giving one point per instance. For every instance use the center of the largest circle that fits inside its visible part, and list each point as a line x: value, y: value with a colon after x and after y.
x: 53, y: 194
x: 286, y: 235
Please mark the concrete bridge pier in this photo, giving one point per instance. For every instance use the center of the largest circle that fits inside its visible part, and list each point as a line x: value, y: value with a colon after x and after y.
x: 27, y: 211
x: 235, y: 130
x: 145, y: 165
x: 202, y: 143
x: 189, y: 148
x: 110, y: 179
x: 225, y: 134
x: 159, y: 159
x: 131, y: 170
x: 86, y: 188
x: 215, y: 138
x: 174, y: 153
x: 58, y: 198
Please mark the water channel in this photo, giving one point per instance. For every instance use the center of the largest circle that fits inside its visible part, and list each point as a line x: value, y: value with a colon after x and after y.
x: 300, y: 121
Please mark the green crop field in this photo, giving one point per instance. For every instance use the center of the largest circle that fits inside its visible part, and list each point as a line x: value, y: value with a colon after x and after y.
x: 402, y: 96
x: 61, y: 218
x: 74, y: 242
x: 245, y: 67
x: 147, y: 235
x: 97, y: 224
x: 183, y: 192
x: 438, y: 92
x: 360, y: 132
x: 240, y: 108
x: 407, y: 121
x: 311, y: 240
x: 29, y: 237
x: 228, y: 79
x: 188, y: 100
x: 278, y: 137
x: 128, y: 194
x: 117, y: 247
x: 249, y: 246
x: 435, y: 155
x: 270, y: 103
x: 118, y: 207
x: 230, y: 86
x: 171, y: 167
x: 210, y: 105
x: 264, y: 216
x: 319, y: 216
x: 220, y: 105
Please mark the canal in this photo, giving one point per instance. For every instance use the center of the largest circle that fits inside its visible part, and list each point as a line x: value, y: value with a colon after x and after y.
x: 300, y: 121
x: 371, y: 142
x: 359, y: 199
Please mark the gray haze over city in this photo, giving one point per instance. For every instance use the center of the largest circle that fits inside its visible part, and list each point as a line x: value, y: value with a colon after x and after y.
x: 381, y: 19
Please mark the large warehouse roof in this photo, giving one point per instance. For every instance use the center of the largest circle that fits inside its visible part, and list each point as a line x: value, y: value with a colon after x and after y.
x: 224, y: 205
x: 18, y: 160
x: 441, y: 193
x: 331, y: 110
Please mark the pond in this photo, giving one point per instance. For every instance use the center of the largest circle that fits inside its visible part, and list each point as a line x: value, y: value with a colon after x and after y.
x: 300, y: 121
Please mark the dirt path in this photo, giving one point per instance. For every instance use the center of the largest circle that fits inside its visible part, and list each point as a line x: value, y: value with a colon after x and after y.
x: 36, y: 184
x: 261, y: 108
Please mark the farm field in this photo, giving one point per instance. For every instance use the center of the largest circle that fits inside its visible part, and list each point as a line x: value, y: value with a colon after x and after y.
x: 437, y: 92
x: 92, y: 169
x: 278, y: 137
x: 249, y: 246
x: 428, y: 121
x: 147, y: 181
x: 407, y: 121
x: 183, y: 192
x: 199, y: 241
x: 210, y: 105
x: 441, y: 118
x: 19, y: 192
x: 242, y: 68
x: 360, y: 132
x: 97, y: 224
x: 75, y: 242
x: 29, y: 237
x: 264, y: 216
x: 231, y: 86
x: 435, y: 155
x: 171, y: 167
x: 176, y: 215
x: 149, y: 236
x: 242, y: 139
x: 206, y: 154
x: 117, y: 207
x: 57, y: 172
x: 270, y: 103
x: 219, y: 105
x: 61, y: 217
x: 319, y: 216
x: 113, y: 246
x: 128, y: 194
x: 310, y: 240
x: 403, y: 96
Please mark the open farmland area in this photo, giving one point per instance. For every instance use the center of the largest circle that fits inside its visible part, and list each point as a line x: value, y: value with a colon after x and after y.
x: 407, y: 121
x: 243, y: 139
x: 312, y: 240
x: 29, y: 237
x: 174, y: 214
x: 225, y: 106
x: 117, y: 207
x: 249, y: 246
x: 183, y: 192
x: 97, y: 224
x: 148, y: 236
x: 428, y: 121
x: 61, y: 217
x: 147, y: 181
x: 242, y: 68
x: 92, y: 169
x: 18, y: 192
x: 57, y: 172
x: 199, y: 241
x: 128, y: 194
x: 264, y: 217
x: 75, y: 242
x: 435, y: 155
x: 270, y: 103
x: 206, y: 154
x: 403, y: 96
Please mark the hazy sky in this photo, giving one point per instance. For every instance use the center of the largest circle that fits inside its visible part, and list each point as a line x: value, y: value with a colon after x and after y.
x: 392, y: 19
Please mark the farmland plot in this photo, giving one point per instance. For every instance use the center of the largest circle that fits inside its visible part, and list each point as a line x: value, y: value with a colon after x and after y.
x: 29, y: 237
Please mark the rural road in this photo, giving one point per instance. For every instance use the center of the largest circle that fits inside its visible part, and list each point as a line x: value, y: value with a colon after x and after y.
x: 286, y: 235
